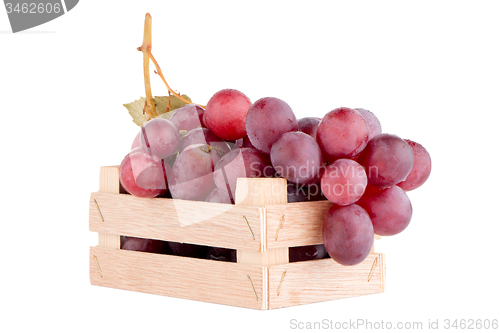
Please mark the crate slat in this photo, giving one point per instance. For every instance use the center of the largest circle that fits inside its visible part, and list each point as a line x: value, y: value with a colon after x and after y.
x: 213, y: 224
x: 323, y: 280
x: 182, y: 277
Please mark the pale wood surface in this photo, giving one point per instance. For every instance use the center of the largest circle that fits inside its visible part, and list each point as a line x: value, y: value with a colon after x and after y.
x: 196, y: 279
x: 302, y: 223
x: 266, y: 258
x: 259, y: 192
x: 157, y: 219
x: 109, y: 182
x: 109, y: 241
x: 323, y: 280
x: 109, y: 179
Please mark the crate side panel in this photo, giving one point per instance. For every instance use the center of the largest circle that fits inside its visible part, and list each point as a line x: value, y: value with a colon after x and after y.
x: 181, y: 277
x: 323, y: 280
x: 183, y: 221
x: 296, y: 224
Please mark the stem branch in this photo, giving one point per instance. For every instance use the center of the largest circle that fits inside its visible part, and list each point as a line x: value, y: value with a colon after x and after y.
x: 150, y: 106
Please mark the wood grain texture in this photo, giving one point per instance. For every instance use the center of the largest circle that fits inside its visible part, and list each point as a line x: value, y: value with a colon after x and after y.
x: 323, y: 280
x: 109, y: 179
x: 109, y: 241
x: 266, y: 258
x: 109, y: 182
x: 259, y: 192
x: 302, y: 223
x: 196, y: 279
x: 206, y: 223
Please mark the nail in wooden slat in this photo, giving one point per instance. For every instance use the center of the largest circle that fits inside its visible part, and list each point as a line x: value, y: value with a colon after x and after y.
x: 373, y: 268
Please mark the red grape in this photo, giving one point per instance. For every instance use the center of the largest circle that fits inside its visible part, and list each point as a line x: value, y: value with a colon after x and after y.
x: 191, y: 177
x: 226, y: 112
x: 372, y: 122
x: 143, y: 174
x: 387, y: 159
x: 240, y: 163
x: 389, y: 208
x: 309, y: 125
x: 188, y: 117
x: 421, y: 167
x: 160, y: 137
x: 267, y: 119
x: 137, y: 141
x: 348, y: 234
x: 342, y: 133
x: 218, y: 196
x: 144, y: 245
x: 343, y: 182
x: 297, y: 157
x: 203, y: 136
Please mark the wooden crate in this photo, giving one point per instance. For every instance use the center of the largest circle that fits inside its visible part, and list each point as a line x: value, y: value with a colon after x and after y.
x: 261, y: 227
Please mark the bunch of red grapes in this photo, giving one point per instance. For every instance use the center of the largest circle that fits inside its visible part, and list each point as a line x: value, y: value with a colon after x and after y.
x: 198, y: 154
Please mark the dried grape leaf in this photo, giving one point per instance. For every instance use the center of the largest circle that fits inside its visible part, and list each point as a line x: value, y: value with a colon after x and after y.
x: 136, y: 108
x: 162, y: 103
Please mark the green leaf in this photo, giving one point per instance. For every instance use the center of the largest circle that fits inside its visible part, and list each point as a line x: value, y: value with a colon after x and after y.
x: 136, y: 108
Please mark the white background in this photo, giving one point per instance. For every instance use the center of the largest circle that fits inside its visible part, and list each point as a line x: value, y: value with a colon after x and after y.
x: 429, y: 70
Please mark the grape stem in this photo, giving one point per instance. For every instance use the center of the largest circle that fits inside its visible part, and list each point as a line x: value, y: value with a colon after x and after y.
x: 149, y: 105
x: 160, y: 73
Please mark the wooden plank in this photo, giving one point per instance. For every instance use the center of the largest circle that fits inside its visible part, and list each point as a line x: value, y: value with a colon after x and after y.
x: 109, y: 182
x: 323, y: 280
x: 182, y: 277
x: 266, y: 258
x: 109, y: 241
x: 299, y: 223
x: 259, y: 192
x: 109, y: 179
x: 296, y: 224
x: 183, y: 221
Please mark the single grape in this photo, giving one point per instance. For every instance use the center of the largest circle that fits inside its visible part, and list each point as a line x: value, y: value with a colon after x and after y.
x: 188, y: 250
x: 372, y: 122
x: 343, y: 182
x: 226, y: 112
x: 143, y: 174
x: 160, y: 137
x: 389, y: 208
x: 348, y: 234
x: 144, y: 245
x: 387, y: 159
x: 191, y: 177
x: 421, y: 167
x: 309, y: 125
x: 218, y: 196
x: 342, y: 133
x: 137, y: 141
x: 187, y: 117
x: 221, y: 254
x: 203, y: 136
x: 268, y: 119
x: 240, y: 163
x: 297, y: 157
x: 309, y: 252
